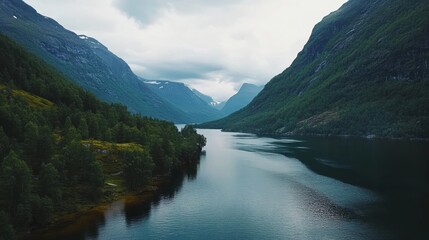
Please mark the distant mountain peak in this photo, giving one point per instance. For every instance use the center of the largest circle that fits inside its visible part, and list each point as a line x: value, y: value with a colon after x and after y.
x: 245, y: 85
x: 250, y: 87
x: 243, y: 97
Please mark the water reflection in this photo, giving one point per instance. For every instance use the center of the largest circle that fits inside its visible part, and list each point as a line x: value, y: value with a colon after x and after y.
x: 252, y: 187
x: 398, y: 169
x: 140, y: 209
x: 86, y: 226
x: 133, y: 210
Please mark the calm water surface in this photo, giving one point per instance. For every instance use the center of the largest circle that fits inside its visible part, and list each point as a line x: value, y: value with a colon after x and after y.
x: 250, y: 187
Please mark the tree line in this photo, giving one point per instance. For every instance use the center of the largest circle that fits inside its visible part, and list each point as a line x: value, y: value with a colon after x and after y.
x: 44, y: 167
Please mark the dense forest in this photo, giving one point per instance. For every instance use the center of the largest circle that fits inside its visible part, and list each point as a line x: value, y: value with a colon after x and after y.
x: 59, y: 145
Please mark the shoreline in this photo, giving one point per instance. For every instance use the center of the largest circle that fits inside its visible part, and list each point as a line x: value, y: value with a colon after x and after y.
x: 68, y: 224
x: 289, y: 134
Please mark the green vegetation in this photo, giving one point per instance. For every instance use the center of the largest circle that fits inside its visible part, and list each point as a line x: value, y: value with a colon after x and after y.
x: 33, y: 100
x: 61, y: 148
x: 364, y: 71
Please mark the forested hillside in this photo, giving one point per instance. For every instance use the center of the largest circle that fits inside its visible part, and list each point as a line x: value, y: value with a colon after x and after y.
x: 364, y: 71
x: 59, y: 145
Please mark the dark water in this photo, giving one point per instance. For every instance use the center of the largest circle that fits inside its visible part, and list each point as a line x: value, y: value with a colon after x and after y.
x: 249, y: 187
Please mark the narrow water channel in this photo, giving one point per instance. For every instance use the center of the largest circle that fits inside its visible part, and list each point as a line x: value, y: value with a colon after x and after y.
x: 250, y: 187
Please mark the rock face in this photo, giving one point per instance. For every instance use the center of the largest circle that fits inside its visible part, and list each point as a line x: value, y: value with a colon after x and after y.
x: 180, y: 96
x: 209, y: 100
x: 364, y: 71
x: 239, y: 100
x: 83, y: 60
x: 243, y: 97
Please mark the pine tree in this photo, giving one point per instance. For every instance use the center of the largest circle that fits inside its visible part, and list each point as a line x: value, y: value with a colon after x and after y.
x: 16, y: 188
x: 49, y: 182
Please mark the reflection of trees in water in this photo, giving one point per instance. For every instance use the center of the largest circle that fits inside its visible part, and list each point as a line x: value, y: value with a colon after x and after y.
x: 397, y: 169
x: 139, y: 211
x: 91, y: 226
x: 84, y: 228
x: 92, y: 231
x: 312, y: 155
x: 387, y: 166
x: 135, y: 212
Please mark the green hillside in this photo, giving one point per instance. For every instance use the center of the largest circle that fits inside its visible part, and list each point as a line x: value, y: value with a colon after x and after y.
x: 61, y: 148
x: 364, y: 71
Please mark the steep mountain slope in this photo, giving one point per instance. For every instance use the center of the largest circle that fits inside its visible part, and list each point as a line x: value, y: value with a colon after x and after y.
x: 203, y: 97
x: 243, y: 97
x: 364, y: 71
x: 209, y: 100
x: 180, y: 96
x: 83, y: 60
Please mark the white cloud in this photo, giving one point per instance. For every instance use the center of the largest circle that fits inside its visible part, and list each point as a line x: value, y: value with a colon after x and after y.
x: 213, y: 46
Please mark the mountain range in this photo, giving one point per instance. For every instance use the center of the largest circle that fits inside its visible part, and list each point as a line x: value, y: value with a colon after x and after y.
x: 182, y: 97
x: 201, y: 107
x: 364, y: 71
x: 83, y: 60
x: 209, y: 100
x: 91, y: 65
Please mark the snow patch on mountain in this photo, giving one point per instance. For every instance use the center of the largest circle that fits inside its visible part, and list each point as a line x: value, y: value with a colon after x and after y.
x: 152, y: 82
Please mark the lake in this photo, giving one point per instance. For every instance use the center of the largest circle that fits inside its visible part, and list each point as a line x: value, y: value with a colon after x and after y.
x: 253, y: 187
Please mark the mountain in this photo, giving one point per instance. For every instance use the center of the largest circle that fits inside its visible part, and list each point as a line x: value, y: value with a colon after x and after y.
x: 83, y: 60
x: 364, y: 71
x: 209, y: 100
x: 239, y: 100
x: 183, y: 98
x: 218, y: 105
x: 203, y: 97
x: 243, y: 97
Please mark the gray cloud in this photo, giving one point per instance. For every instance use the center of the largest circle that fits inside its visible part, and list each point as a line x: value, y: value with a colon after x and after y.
x: 147, y: 11
x: 178, y: 71
x: 213, y: 46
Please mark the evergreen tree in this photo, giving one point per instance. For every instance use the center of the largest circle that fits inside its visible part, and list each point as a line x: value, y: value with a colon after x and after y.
x: 15, y: 188
x: 38, y: 145
x: 4, y: 144
x: 49, y: 182
x: 138, y: 166
x: 6, y: 229
x: 42, y: 209
x: 68, y: 123
x: 83, y: 128
x: 80, y: 167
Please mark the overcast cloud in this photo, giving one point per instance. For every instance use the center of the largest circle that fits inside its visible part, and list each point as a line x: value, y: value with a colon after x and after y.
x: 213, y: 46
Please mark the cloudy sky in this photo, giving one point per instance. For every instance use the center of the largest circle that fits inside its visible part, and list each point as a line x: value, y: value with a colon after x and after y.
x: 212, y: 45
